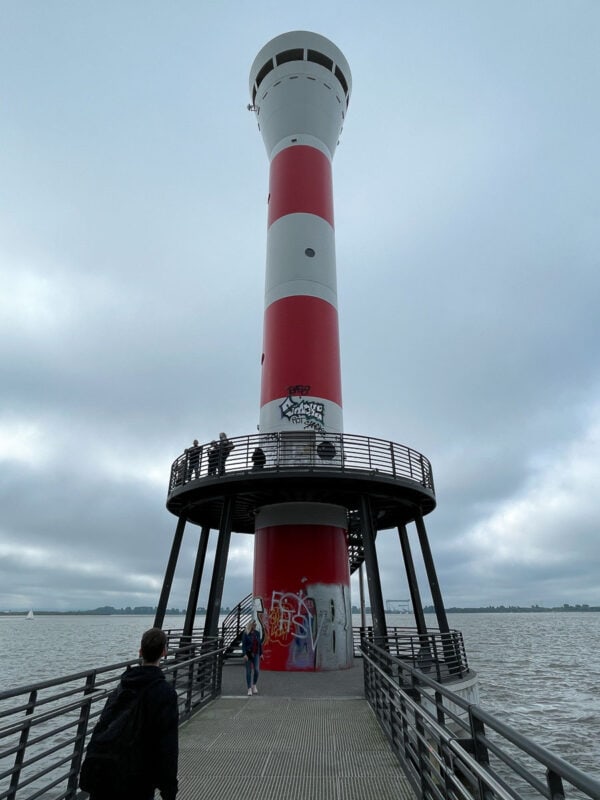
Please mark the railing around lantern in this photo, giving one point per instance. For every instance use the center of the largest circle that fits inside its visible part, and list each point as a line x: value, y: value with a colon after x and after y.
x: 298, y: 451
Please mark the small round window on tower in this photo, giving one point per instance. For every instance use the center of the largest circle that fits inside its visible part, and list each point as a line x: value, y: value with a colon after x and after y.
x: 309, y: 252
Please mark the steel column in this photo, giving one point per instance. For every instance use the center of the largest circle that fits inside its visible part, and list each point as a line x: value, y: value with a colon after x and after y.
x: 213, y: 610
x: 436, y: 594
x: 361, y: 587
x: 192, y: 605
x: 168, y: 581
x: 413, y: 586
x: 375, y: 595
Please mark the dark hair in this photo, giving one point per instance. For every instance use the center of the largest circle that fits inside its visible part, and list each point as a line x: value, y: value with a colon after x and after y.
x: 153, y: 645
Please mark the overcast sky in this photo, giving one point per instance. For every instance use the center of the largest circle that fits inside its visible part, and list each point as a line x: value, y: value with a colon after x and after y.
x: 133, y: 186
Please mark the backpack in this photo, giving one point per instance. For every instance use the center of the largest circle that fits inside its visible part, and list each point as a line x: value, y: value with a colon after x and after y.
x: 114, y: 763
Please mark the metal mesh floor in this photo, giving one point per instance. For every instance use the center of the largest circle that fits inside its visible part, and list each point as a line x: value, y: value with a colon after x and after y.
x: 292, y: 748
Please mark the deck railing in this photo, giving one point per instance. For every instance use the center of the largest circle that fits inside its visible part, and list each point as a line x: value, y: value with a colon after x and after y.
x: 44, y: 727
x: 298, y: 451
x: 232, y: 628
x: 439, y: 655
x: 452, y: 749
x: 449, y: 748
x: 442, y: 656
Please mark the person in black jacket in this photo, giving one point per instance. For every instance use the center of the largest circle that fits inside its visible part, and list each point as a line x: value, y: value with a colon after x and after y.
x: 193, y: 454
x: 224, y: 449
x: 160, y: 732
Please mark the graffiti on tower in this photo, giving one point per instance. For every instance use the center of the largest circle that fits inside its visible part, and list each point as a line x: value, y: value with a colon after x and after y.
x: 301, y: 410
x: 300, y: 628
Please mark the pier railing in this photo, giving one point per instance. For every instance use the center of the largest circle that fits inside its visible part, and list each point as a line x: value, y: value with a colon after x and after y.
x: 442, y: 656
x: 450, y: 748
x: 44, y: 727
x: 301, y: 450
x: 231, y: 628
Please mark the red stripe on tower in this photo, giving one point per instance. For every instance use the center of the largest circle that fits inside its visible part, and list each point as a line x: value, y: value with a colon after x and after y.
x: 301, y: 347
x: 300, y: 181
x: 306, y: 540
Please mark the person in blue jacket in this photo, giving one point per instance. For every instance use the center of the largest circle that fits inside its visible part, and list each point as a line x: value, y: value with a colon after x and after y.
x: 252, y: 650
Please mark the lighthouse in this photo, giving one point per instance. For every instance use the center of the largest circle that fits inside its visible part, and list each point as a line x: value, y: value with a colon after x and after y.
x: 300, y: 87
x: 314, y: 497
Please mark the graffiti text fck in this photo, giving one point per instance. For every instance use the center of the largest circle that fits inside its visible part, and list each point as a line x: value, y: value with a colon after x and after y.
x: 292, y: 617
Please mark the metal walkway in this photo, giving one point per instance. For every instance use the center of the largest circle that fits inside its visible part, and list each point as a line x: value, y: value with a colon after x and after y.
x: 306, y: 735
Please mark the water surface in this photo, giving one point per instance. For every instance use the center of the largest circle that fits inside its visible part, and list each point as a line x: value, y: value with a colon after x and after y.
x: 538, y: 672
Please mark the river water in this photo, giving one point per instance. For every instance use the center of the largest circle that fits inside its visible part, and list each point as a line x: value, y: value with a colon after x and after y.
x: 539, y: 672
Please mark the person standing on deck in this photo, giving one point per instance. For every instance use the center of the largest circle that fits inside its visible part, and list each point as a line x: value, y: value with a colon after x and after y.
x: 252, y: 650
x: 193, y: 460
x: 213, y: 458
x: 225, y: 447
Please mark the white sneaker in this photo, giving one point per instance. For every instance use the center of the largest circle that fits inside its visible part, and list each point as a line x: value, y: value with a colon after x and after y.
x: 254, y: 690
x: 250, y: 692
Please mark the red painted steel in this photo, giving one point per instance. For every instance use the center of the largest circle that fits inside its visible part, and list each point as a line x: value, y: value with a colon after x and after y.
x: 300, y: 594
x: 300, y: 182
x: 301, y: 346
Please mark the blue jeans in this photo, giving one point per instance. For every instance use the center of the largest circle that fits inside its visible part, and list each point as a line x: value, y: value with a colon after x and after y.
x: 253, y: 662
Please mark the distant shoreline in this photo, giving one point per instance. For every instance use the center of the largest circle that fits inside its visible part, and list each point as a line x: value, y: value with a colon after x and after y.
x: 103, y: 612
x: 145, y: 611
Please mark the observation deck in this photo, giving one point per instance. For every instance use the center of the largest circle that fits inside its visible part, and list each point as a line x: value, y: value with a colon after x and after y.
x: 303, y: 466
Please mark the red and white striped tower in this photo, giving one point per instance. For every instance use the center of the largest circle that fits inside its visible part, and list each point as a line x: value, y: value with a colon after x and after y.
x: 300, y: 86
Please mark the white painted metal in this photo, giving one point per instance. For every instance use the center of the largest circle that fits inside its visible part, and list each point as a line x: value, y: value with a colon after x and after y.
x: 301, y: 139
x: 272, y: 420
x: 301, y: 514
x: 300, y: 97
x: 305, y: 40
x: 289, y: 270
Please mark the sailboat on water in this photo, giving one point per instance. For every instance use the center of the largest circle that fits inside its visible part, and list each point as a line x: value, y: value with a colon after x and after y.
x: 29, y: 614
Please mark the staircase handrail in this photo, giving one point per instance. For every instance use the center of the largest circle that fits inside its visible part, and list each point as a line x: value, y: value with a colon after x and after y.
x: 234, y: 623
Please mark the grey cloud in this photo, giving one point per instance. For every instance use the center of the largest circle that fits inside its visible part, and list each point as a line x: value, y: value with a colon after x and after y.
x: 134, y: 193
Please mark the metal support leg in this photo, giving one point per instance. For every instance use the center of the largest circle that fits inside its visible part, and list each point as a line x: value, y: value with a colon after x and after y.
x: 451, y: 654
x: 413, y: 586
x: 190, y: 615
x: 211, y: 625
x: 361, y: 587
x: 373, y: 579
x: 436, y: 594
x: 168, y: 581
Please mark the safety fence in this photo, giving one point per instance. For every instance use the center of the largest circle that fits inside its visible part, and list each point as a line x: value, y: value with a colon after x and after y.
x: 297, y: 451
x: 44, y: 727
x: 439, y: 655
x: 451, y: 749
x: 442, y: 656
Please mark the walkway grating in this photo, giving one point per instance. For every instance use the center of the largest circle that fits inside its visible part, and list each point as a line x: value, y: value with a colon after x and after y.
x: 297, y: 748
